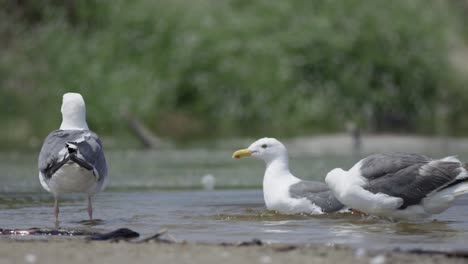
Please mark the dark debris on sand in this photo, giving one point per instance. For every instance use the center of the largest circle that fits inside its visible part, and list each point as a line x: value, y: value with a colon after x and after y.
x: 116, y: 235
x: 162, y: 236
x: 450, y: 254
x: 46, y: 232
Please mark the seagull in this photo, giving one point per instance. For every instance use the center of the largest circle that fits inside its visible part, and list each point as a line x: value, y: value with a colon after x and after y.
x: 72, y: 159
x: 400, y: 185
x: 282, y: 191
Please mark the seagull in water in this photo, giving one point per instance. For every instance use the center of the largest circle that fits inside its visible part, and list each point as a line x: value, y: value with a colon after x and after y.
x: 71, y: 159
x: 282, y: 191
x: 400, y: 185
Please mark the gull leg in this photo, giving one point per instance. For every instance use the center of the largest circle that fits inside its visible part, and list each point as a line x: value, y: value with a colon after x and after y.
x: 90, y: 207
x: 56, y: 212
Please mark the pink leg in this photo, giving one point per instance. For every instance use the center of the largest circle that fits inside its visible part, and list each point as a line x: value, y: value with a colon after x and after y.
x: 56, y: 211
x: 90, y: 208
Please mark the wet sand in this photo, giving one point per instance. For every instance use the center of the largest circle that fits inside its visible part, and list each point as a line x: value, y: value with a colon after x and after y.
x: 80, y: 251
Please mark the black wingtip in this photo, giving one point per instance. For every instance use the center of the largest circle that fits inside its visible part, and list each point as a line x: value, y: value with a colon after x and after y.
x: 71, y: 147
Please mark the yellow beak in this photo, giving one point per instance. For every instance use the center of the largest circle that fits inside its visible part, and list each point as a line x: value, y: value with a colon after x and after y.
x: 241, y: 153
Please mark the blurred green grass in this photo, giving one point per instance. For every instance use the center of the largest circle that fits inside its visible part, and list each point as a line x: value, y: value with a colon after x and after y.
x: 209, y: 68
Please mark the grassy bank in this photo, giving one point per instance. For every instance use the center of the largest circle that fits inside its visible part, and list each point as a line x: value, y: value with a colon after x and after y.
x: 209, y: 68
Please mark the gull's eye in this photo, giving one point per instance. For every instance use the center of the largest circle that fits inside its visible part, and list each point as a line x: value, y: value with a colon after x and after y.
x: 264, y: 146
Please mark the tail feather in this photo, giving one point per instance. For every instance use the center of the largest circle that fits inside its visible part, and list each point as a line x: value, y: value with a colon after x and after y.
x: 443, y: 199
x: 75, y: 156
x: 455, y: 189
x: 72, y: 148
x: 460, y: 189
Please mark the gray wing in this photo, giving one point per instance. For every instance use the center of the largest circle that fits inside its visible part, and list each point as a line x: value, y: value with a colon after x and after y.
x: 317, y: 193
x: 408, y: 176
x: 91, y: 151
x: 379, y: 165
x: 54, y: 149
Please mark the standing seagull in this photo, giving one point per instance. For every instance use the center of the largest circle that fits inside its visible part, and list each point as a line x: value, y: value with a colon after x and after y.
x: 282, y: 191
x: 400, y: 185
x: 71, y: 159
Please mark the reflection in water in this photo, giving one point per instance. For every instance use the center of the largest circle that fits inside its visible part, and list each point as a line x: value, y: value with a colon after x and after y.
x: 250, y: 214
x: 93, y: 222
x: 401, y: 228
x: 397, y: 234
x: 260, y: 215
x: 431, y: 227
x: 349, y: 227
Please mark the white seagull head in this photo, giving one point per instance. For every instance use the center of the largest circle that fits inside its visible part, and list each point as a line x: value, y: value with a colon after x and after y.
x: 267, y: 149
x: 73, y: 112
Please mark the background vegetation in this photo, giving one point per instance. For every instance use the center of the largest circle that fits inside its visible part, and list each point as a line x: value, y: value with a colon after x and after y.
x: 210, y: 68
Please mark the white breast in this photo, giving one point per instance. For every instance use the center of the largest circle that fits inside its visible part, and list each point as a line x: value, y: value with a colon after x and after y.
x: 71, y: 178
x: 276, y: 190
x: 277, y: 197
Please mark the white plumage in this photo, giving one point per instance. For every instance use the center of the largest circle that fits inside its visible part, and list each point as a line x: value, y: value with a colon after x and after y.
x: 282, y: 191
x: 72, y: 159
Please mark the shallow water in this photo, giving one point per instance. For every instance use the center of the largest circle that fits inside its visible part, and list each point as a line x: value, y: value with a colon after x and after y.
x: 138, y: 198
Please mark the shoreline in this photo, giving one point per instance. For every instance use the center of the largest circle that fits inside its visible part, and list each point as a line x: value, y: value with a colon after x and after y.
x: 332, y: 143
x: 373, y: 143
x: 61, y: 250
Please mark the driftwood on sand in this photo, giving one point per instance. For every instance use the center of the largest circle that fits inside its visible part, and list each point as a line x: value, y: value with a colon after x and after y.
x: 141, y: 132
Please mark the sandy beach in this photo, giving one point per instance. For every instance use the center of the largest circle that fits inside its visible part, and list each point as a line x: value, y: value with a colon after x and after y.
x: 80, y: 251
